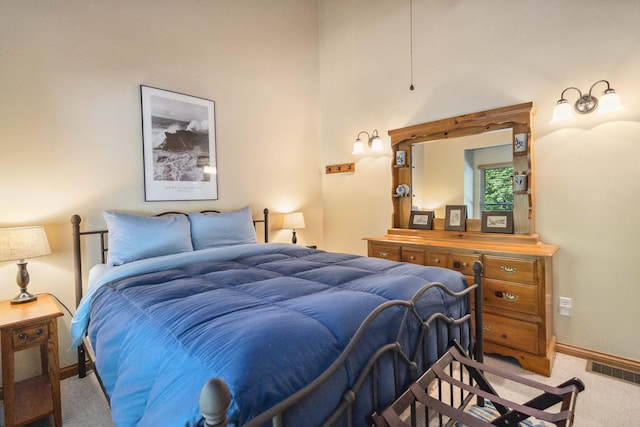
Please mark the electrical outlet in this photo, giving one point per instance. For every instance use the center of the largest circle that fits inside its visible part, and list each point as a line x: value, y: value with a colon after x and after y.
x: 564, y: 306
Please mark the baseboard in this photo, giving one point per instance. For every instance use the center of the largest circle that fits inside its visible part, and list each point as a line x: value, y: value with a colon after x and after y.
x: 72, y: 371
x: 596, y: 356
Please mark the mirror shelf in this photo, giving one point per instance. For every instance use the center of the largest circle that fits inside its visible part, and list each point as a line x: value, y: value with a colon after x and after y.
x: 517, y: 119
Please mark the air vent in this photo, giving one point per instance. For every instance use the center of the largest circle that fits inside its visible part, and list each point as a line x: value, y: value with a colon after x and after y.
x: 610, y: 371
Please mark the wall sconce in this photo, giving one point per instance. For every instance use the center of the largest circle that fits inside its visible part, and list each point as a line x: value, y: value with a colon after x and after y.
x: 587, y: 103
x: 18, y: 244
x: 292, y: 221
x: 374, y: 142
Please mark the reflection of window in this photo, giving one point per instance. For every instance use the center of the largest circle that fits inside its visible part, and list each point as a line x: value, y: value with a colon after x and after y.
x: 496, y: 188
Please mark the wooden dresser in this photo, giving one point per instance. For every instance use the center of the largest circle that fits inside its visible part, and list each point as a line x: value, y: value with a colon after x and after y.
x: 517, y: 284
x: 517, y: 279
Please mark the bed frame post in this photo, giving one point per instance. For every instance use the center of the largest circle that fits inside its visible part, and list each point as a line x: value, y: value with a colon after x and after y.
x: 478, y: 352
x: 266, y: 225
x: 214, y: 402
x: 75, y: 225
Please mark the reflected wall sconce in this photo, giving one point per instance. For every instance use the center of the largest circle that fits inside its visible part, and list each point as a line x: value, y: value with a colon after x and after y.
x: 292, y: 221
x: 373, y: 141
x: 20, y: 243
x: 587, y: 103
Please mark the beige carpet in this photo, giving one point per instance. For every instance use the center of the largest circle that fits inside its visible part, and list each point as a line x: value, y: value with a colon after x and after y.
x: 605, y: 401
x: 83, y: 404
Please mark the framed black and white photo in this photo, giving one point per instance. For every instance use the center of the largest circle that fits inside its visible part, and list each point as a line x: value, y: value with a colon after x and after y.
x: 455, y: 218
x: 497, y: 222
x: 421, y: 220
x: 179, y: 146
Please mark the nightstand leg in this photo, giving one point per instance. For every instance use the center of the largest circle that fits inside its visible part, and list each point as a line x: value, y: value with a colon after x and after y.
x: 54, y: 371
x: 8, y: 379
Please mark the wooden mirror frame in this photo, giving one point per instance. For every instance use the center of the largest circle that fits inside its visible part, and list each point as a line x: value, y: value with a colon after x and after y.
x: 518, y: 118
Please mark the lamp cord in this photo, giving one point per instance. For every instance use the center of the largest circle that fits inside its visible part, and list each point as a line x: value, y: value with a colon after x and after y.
x: 411, y: 43
x: 59, y: 302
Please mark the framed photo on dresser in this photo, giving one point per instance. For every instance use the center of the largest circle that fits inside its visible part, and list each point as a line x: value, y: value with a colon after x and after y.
x: 455, y: 218
x: 179, y: 146
x: 497, y: 222
x: 421, y: 220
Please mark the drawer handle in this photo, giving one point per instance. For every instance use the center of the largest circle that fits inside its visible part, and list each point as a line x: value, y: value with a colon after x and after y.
x: 458, y: 264
x: 24, y: 335
x: 383, y: 254
x: 412, y: 258
x: 436, y: 261
x: 507, y: 296
x: 486, y: 328
x: 508, y: 270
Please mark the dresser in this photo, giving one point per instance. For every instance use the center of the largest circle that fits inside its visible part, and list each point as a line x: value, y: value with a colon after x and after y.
x: 438, y: 168
x: 517, y: 285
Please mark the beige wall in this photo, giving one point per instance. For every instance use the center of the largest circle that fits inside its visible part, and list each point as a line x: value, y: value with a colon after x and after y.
x: 71, y: 124
x: 470, y: 56
x: 293, y: 82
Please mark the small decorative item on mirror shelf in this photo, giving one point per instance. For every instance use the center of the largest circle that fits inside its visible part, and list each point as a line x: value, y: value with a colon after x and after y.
x: 403, y: 190
x: 520, y: 182
x: 520, y: 143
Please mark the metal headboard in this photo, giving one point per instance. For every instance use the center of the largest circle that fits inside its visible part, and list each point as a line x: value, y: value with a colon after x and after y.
x: 77, y: 261
x: 77, y: 247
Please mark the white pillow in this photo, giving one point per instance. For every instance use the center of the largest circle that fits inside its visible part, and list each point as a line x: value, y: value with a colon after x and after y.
x: 134, y: 237
x: 222, y: 229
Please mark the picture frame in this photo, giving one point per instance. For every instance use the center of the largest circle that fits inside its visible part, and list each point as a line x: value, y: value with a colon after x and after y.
x: 179, y: 146
x: 455, y: 218
x: 422, y: 220
x: 497, y: 222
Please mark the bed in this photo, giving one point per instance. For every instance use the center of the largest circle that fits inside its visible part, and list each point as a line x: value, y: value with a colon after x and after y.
x: 190, y: 321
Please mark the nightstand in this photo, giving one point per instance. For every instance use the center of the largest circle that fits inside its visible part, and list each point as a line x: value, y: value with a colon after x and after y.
x: 22, y: 326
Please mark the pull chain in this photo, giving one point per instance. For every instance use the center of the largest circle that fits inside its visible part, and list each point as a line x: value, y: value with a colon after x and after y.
x: 411, y: 42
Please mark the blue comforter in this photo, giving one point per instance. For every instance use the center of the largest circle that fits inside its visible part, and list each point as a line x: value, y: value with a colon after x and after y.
x: 266, y: 318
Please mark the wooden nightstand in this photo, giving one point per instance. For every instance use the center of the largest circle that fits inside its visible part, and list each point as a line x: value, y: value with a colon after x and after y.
x: 24, y: 326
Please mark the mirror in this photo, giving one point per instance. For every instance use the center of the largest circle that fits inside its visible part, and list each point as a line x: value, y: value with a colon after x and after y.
x: 443, y: 159
x: 451, y: 171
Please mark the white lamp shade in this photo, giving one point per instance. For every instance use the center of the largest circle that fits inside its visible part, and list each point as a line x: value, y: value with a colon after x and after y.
x: 293, y: 220
x: 609, y: 103
x: 358, y: 147
x: 376, y: 145
x: 23, y: 242
x: 562, y: 112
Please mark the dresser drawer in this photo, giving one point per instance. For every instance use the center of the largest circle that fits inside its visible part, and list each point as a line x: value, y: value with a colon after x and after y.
x: 511, y: 269
x: 463, y: 262
x: 385, y: 251
x: 438, y: 259
x: 512, y: 333
x: 30, y: 335
x: 510, y: 296
x: 414, y: 256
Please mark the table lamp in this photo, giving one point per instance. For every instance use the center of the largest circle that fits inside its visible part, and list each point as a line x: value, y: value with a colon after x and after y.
x: 20, y: 243
x: 292, y: 221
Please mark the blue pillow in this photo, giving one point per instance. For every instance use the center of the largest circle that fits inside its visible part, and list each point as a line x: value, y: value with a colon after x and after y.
x: 134, y: 237
x: 222, y: 229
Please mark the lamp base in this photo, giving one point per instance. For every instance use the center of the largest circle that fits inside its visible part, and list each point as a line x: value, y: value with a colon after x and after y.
x: 23, y: 297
